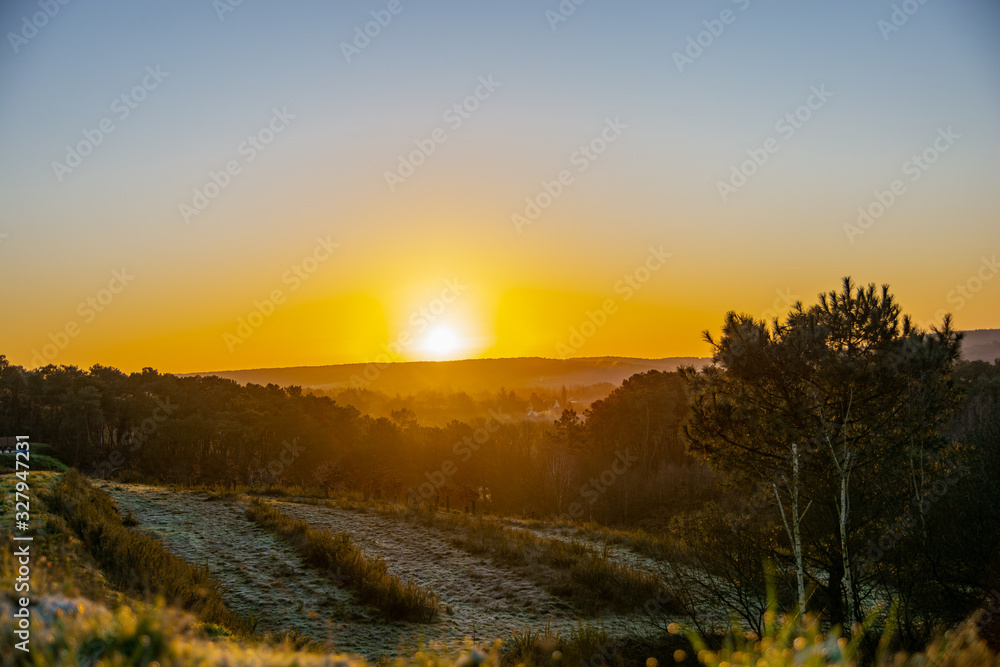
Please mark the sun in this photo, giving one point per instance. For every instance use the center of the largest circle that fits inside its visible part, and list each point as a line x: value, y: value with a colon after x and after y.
x: 441, y: 342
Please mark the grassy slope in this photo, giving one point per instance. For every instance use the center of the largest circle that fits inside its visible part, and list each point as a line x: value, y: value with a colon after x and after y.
x: 137, y: 563
x: 119, y: 631
x: 569, y: 569
x: 39, y: 463
x: 340, y: 557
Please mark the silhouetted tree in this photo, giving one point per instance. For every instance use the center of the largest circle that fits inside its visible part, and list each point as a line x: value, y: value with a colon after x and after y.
x: 832, y: 409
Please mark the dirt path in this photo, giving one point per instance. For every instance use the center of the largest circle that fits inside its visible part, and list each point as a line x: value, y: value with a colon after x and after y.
x: 479, y: 598
x: 261, y: 574
x: 617, y: 553
x: 264, y: 576
x: 709, y: 610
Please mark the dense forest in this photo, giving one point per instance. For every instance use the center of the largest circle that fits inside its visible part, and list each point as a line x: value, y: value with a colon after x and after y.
x: 851, y: 452
x: 206, y: 430
x: 440, y: 407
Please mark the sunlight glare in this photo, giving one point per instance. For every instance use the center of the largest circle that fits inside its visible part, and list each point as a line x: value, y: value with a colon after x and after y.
x: 441, y: 342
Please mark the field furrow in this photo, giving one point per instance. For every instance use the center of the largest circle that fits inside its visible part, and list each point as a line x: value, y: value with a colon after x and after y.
x: 264, y: 576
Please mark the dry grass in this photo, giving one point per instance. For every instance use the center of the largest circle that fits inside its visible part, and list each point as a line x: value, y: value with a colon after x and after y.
x: 63, y: 567
x: 569, y: 569
x: 585, y: 645
x: 81, y: 631
x: 338, y: 556
x: 135, y: 562
x: 636, y: 539
x: 71, y: 633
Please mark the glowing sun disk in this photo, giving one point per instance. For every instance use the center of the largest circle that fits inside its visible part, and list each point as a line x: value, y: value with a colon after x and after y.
x: 441, y: 342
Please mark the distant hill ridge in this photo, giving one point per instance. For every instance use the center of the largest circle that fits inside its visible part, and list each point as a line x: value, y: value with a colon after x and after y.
x: 479, y: 375
x: 470, y: 375
x: 981, y: 345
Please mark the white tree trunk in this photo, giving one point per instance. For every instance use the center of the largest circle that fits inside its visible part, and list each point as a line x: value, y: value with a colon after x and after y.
x: 843, y: 511
x: 843, y: 464
x: 800, y: 572
x: 794, y: 530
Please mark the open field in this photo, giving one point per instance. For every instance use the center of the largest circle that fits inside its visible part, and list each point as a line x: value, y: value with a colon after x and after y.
x: 263, y: 576
x: 289, y: 602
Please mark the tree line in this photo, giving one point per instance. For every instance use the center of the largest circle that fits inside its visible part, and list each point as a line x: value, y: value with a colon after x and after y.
x: 854, y: 453
x: 210, y: 431
x: 848, y: 450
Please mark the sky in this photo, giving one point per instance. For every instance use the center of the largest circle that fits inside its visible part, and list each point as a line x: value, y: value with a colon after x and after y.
x: 201, y: 185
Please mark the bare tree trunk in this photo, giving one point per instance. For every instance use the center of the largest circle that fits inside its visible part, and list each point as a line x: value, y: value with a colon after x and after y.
x: 844, y: 551
x: 794, y: 529
x: 800, y: 573
x: 843, y: 464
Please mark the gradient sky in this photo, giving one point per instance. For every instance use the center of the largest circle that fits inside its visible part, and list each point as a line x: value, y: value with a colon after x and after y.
x: 779, y: 237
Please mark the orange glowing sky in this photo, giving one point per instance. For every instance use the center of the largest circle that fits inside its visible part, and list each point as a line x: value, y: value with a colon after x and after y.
x: 636, y: 254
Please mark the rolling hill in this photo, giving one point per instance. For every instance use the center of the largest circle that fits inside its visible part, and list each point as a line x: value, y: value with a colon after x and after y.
x: 487, y: 375
x: 470, y: 375
x: 981, y: 345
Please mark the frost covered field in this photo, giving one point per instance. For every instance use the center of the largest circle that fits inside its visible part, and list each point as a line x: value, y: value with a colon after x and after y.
x: 262, y: 575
